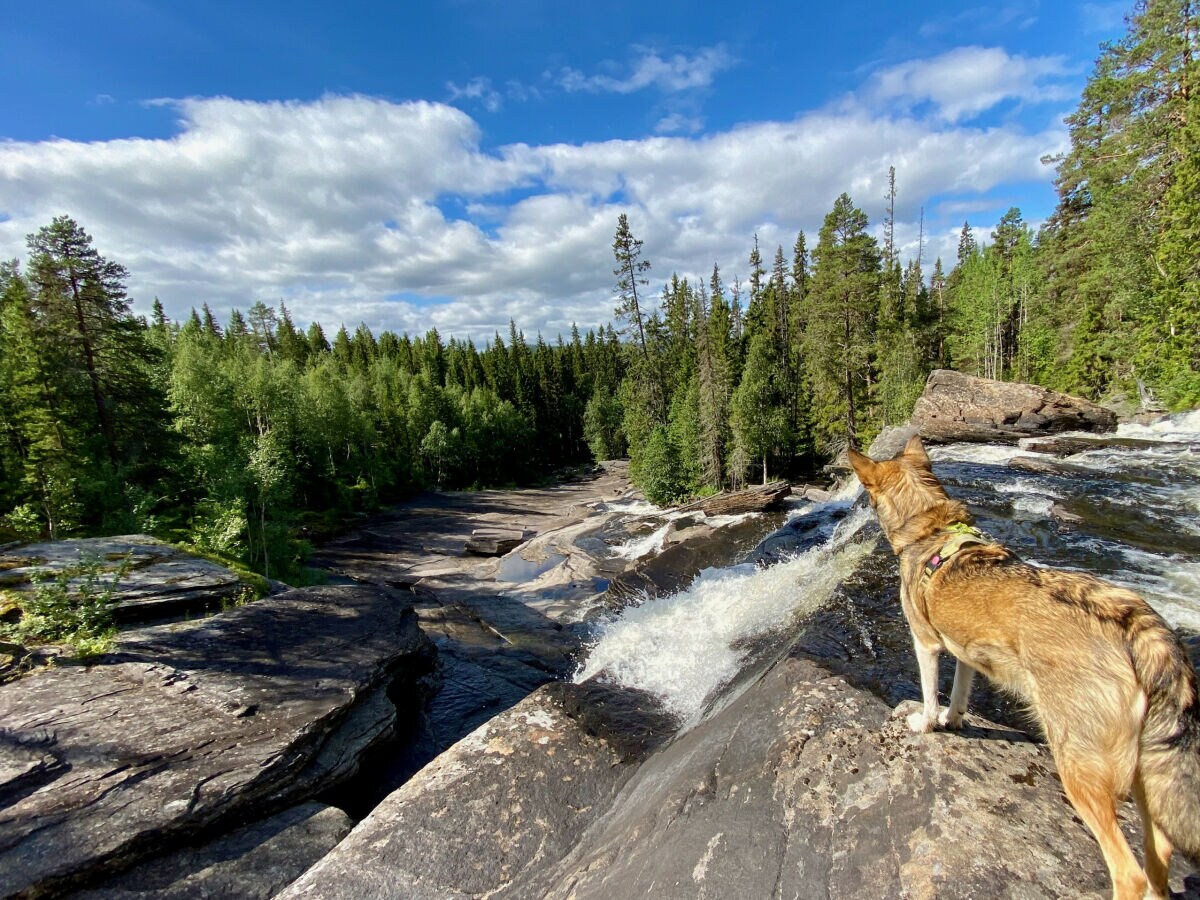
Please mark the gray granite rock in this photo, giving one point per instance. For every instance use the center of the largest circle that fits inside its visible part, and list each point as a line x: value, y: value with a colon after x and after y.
x: 958, y: 407
x: 506, y: 801
x: 255, y: 862
x: 185, y: 727
x: 803, y: 786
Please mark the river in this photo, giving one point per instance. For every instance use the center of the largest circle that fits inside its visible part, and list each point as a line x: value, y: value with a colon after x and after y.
x: 1126, y: 509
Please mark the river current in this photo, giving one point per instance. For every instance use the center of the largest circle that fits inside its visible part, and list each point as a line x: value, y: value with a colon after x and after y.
x: 1127, y: 510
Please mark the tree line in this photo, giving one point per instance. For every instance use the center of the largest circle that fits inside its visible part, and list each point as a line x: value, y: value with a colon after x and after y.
x: 248, y: 436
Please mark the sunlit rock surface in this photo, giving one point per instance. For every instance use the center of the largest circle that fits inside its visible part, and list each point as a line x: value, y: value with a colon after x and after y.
x: 958, y: 407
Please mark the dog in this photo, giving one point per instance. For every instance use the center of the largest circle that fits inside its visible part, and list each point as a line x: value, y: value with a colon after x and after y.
x: 1109, y: 682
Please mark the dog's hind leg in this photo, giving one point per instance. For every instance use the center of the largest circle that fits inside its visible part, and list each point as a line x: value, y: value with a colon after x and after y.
x: 1091, y: 786
x: 1157, y: 847
x: 951, y: 716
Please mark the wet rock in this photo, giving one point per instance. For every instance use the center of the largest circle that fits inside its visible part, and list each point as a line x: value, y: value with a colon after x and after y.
x: 688, y: 533
x: 958, y: 407
x: 159, y: 580
x: 678, y: 564
x: 254, y: 862
x: 185, y: 727
x: 511, y: 798
x: 1069, y: 446
x: 488, y: 542
x: 755, y: 499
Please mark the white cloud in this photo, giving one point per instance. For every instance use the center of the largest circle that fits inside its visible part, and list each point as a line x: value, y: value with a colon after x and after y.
x: 967, y: 81
x: 478, y: 89
x: 678, y: 123
x: 678, y: 72
x: 340, y: 205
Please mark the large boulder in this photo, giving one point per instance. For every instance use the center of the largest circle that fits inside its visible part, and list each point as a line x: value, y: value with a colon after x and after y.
x: 958, y: 407
x: 184, y: 728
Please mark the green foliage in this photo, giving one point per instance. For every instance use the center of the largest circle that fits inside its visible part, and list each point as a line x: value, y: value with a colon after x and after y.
x: 662, y: 475
x: 603, y: 428
x: 73, y: 606
x: 841, y: 323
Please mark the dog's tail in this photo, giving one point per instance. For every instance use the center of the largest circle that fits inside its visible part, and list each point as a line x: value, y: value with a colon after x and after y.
x: 1169, y: 762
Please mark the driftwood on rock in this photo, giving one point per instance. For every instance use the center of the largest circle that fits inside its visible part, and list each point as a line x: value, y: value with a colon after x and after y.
x: 729, y: 503
x: 958, y: 407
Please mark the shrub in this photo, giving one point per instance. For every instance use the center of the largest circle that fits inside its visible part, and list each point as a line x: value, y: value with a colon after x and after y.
x: 73, y: 606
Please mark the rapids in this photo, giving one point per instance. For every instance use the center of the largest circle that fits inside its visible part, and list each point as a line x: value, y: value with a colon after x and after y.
x: 1128, y: 514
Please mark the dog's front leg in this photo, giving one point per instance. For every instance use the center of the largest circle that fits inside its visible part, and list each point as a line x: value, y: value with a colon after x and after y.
x: 927, y: 662
x: 951, y: 716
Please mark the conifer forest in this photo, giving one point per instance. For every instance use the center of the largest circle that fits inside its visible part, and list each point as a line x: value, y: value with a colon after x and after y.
x: 250, y: 436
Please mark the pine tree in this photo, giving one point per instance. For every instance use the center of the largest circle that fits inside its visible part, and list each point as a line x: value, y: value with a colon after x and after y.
x: 631, y: 272
x: 838, y: 340
x: 1113, y: 185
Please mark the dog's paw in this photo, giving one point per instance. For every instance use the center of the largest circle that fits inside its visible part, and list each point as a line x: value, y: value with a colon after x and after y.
x: 949, y: 721
x: 918, y: 723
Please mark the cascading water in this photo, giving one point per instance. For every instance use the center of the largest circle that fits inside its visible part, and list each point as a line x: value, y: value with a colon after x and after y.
x: 684, y: 647
x: 1126, y: 513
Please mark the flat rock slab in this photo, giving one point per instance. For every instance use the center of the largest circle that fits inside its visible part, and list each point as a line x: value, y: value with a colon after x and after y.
x: 958, y: 407
x: 160, y: 581
x: 255, y: 862
x: 187, y: 726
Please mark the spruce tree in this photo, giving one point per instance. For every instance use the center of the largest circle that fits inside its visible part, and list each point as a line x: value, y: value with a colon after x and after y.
x: 838, y: 340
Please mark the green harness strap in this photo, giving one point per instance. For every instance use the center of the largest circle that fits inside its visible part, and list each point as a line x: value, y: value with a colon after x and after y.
x: 962, y: 535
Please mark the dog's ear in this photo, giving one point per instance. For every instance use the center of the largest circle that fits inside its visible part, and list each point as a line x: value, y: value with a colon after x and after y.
x: 914, y: 452
x: 864, y: 467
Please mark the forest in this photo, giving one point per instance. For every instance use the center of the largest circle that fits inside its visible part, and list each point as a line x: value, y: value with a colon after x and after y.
x: 250, y: 437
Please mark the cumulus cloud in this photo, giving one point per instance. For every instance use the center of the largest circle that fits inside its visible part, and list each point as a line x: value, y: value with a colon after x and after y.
x: 352, y: 208
x: 678, y: 72
x: 966, y: 81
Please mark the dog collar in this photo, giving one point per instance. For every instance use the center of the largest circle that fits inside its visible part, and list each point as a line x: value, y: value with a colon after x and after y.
x: 962, y: 535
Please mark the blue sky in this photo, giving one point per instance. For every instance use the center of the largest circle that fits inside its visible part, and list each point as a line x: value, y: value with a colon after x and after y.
x: 460, y: 162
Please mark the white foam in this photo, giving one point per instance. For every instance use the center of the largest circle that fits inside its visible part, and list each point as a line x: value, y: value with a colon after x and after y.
x: 1036, y: 508
x: 726, y: 521
x: 632, y: 507
x: 636, y: 548
x: 685, y: 646
x: 984, y: 454
x: 1180, y: 427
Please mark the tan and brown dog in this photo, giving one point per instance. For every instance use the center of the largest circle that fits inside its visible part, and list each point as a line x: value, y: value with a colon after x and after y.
x: 1110, y: 684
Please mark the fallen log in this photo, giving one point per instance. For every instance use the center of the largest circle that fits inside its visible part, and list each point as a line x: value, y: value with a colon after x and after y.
x: 731, y: 503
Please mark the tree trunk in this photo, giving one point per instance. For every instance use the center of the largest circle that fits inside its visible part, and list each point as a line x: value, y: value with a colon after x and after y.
x: 89, y: 360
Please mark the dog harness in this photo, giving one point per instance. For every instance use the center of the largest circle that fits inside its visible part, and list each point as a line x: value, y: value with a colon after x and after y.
x: 962, y: 535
